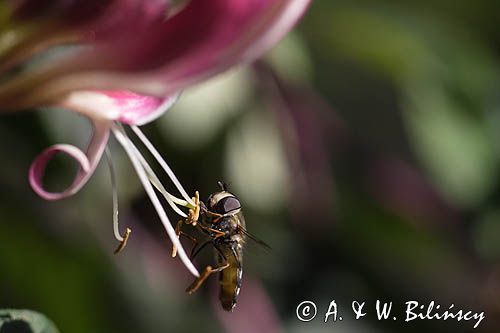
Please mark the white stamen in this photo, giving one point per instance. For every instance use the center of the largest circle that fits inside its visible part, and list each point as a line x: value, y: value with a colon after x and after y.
x: 163, y: 164
x: 178, y: 201
x: 127, y: 145
x: 116, y: 229
x: 156, y: 182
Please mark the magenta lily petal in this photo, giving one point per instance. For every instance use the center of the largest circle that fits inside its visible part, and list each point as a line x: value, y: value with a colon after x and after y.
x: 123, y: 106
x: 71, y: 11
x: 98, y: 16
x: 138, y: 109
x: 209, y: 36
x: 205, y: 38
x: 241, y: 32
x: 87, y: 163
x: 61, y: 22
x: 126, y: 18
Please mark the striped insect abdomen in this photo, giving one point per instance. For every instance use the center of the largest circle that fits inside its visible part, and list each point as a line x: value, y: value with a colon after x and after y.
x: 230, y: 278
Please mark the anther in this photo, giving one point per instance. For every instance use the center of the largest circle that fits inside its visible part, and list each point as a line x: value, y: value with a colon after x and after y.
x: 194, y: 213
x: 123, y: 242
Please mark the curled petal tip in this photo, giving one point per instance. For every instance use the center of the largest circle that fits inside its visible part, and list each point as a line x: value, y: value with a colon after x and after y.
x: 37, y: 170
x: 87, y: 163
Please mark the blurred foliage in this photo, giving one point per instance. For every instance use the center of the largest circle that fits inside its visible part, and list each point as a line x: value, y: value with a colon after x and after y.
x: 445, y: 77
x: 408, y: 135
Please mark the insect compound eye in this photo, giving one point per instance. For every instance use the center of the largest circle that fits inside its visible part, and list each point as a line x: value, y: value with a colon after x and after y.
x: 209, y: 200
x: 227, y: 204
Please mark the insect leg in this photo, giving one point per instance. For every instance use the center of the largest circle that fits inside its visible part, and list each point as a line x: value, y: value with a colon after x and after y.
x: 198, y: 250
x: 215, y: 233
x: 193, y: 216
x: 179, y: 232
x: 203, y: 276
x: 207, y: 272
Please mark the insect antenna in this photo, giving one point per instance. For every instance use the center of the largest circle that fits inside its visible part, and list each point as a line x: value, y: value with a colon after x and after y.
x: 223, y: 186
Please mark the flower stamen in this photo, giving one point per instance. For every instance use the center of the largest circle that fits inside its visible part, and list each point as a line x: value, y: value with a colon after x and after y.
x: 164, y: 165
x: 194, y: 213
x: 116, y: 230
x: 156, y: 182
x: 192, y: 218
x: 131, y: 151
x: 123, y: 242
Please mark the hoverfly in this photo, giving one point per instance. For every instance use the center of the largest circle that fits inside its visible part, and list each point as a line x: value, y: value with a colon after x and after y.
x: 223, y: 222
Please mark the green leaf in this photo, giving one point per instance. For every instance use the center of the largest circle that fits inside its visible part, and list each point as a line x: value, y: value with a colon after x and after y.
x: 25, y: 321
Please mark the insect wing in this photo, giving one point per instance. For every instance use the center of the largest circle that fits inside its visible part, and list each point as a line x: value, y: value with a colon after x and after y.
x: 257, y: 241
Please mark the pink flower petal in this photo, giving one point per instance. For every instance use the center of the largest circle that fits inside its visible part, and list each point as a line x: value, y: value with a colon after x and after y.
x: 70, y: 11
x: 138, y: 109
x: 205, y: 38
x: 127, y: 18
x: 51, y: 23
x: 233, y: 32
x: 96, y: 15
x: 87, y: 162
x: 124, y: 106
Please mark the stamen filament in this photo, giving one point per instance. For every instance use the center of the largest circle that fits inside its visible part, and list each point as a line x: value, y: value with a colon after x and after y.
x: 172, y: 200
x: 141, y: 173
x: 116, y: 229
x: 179, y: 201
x: 156, y: 182
x: 164, y: 165
x: 112, y: 176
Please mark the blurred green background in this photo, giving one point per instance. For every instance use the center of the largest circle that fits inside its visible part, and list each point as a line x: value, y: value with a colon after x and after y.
x: 364, y: 149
